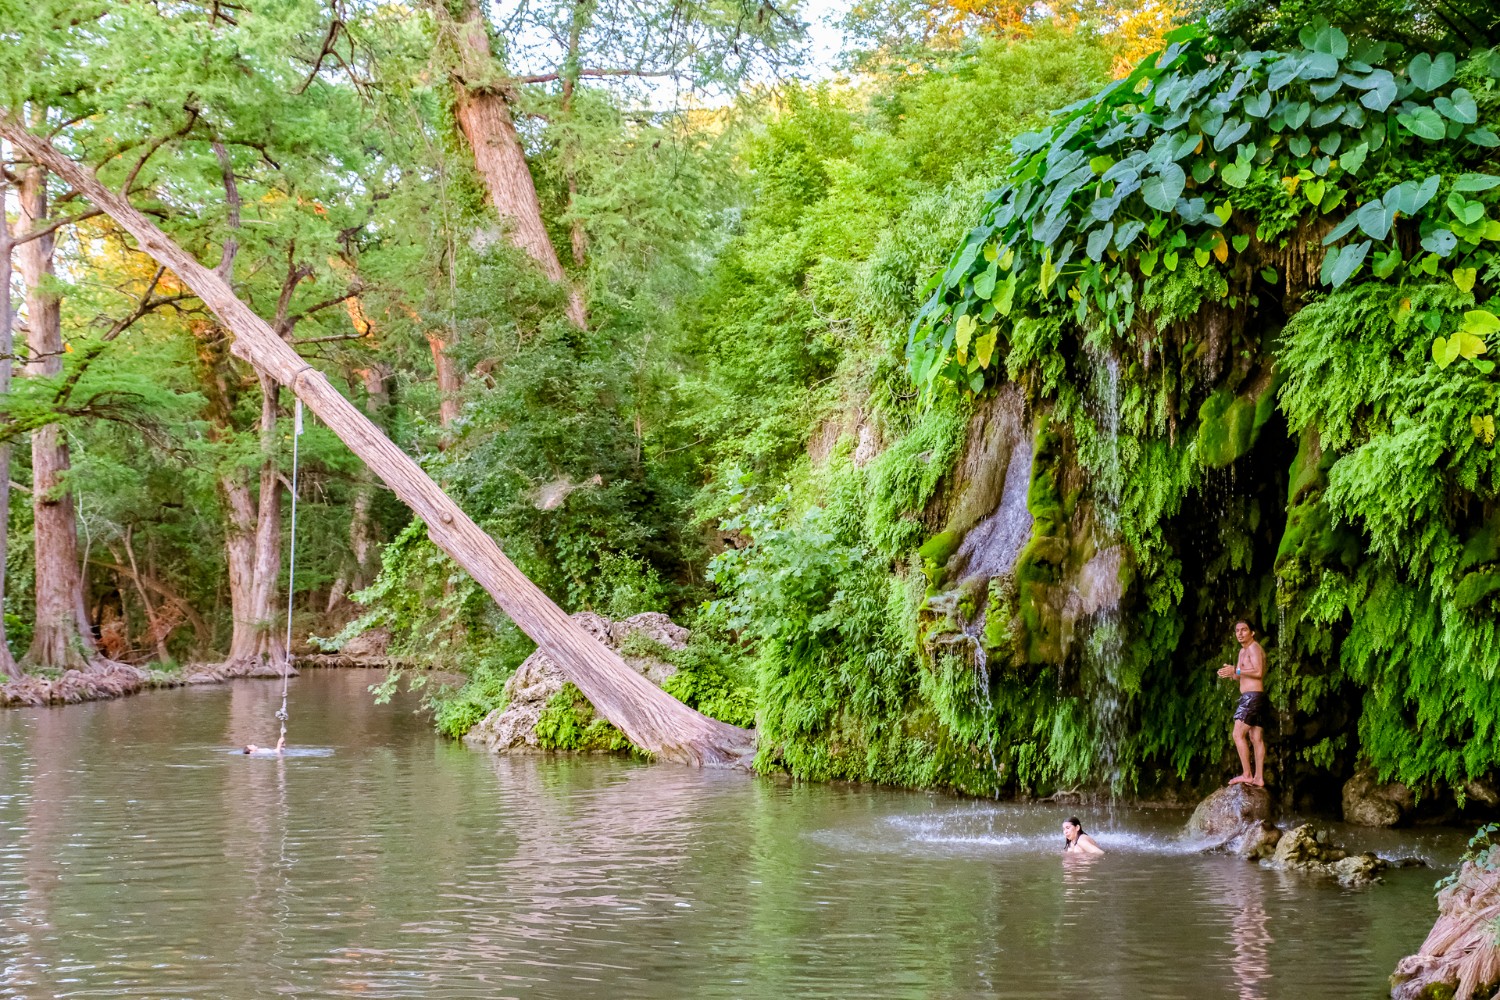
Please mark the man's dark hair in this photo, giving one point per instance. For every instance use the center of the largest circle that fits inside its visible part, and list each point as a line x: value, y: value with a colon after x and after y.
x: 1245, y: 623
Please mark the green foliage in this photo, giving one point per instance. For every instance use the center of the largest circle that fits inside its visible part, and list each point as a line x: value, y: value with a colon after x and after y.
x: 567, y: 722
x: 1097, y: 210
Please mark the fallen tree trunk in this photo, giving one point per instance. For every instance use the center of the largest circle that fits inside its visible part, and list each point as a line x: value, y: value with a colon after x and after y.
x: 649, y: 717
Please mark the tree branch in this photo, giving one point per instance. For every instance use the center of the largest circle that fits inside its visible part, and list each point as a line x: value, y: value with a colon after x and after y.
x: 593, y: 73
x: 54, y: 226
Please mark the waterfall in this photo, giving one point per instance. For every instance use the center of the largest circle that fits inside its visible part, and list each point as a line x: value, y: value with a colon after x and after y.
x: 1106, y: 634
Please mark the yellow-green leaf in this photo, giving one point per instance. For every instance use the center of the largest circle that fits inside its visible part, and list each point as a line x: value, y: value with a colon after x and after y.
x: 1440, y: 352
x: 1049, y: 272
x: 962, y: 333
x: 1201, y: 256
x: 1463, y: 277
x: 1481, y: 322
x: 1484, y: 427
x: 1006, y: 259
x: 1469, y: 346
x: 984, y: 349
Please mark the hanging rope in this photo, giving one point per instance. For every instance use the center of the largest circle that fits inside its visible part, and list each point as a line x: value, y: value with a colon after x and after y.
x: 291, y: 573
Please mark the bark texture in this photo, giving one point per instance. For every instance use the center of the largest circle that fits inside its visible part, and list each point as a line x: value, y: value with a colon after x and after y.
x: 8, y: 665
x: 650, y: 717
x: 63, y: 639
x: 486, y: 121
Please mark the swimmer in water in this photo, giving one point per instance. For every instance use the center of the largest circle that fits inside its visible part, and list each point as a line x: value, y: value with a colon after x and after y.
x: 1075, y: 841
x: 251, y: 748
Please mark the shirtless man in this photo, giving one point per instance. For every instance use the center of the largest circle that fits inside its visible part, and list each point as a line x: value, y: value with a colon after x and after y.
x: 1254, y: 709
x: 276, y: 751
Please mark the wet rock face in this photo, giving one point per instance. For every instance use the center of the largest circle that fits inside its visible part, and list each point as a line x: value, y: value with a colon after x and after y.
x: 1368, y: 802
x: 512, y: 729
x: 1228, y: 813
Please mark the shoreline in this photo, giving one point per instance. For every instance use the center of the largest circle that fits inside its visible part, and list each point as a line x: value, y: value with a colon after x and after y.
x: 111, y: 679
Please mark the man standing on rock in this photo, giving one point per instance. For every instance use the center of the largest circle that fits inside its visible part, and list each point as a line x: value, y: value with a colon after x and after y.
x: 1253, y: 712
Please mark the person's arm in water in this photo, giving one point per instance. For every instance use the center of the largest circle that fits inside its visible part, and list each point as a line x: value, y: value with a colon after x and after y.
x: 281, y: 743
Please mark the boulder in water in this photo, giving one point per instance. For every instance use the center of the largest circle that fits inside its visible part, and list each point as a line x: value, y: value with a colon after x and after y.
x: 1370, y: 802
x: 1226, y: 814
x: 512, y: 729
x: 1256, y: 841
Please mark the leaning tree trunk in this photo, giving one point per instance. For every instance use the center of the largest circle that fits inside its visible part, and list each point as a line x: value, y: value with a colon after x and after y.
x: 63, y: 638
x: 7, y: 349
x: 485, y: 118
x: 649, y: 717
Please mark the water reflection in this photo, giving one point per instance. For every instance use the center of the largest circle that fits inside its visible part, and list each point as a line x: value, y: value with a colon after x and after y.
x: 143, y: 858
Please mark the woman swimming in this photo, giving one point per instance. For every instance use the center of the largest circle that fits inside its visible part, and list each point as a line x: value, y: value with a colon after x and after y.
x: 1075, y: 841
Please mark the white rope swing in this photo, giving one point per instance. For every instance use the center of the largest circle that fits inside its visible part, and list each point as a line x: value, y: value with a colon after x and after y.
x: 291, y: 573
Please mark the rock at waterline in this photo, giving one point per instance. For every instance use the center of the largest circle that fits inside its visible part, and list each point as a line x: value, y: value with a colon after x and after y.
x: 1460, y: 958
x: 512, y: 729
x: 1307, y: 849
x: 1227, y: 813
x: 1369, y: 802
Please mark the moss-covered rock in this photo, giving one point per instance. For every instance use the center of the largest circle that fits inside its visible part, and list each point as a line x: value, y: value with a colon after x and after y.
x: 1228, y: 424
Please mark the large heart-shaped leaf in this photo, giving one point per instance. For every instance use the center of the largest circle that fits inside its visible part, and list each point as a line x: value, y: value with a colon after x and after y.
x: 1318, y: 66
x: 1343, y: 229
x: 1475, y: 182
x: 1127, y: 232
x: 1424, y: 122
x: 1483, y: 137
x: 984, y: 285
x: 1349, y: 260
x: 1431, y: 72
x: 1232, y: 132
x: 1409, y: 197
x: 1354, y: 157
x: 1299, y: 145
x: 1381, y: 92
x: 1283, y: 72
x: 1236, y: 174
x: 1326, y: 115
x: 1481, y: 322
x: 1098, y: 241
x: 1375, y: 219
x: 1258, y: 105
x: 1460, y: 108
x: 1161, y: 191
x: 1440, y: 242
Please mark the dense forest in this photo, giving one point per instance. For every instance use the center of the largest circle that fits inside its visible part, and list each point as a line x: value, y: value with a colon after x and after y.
x: 958, y: 428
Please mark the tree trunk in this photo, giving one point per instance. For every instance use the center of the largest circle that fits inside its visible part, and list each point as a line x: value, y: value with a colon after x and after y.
x: 447, y: 382
x: 649, y: 717
x: 63, y: 638
x: 362, y: 539
x: 485, y: 118
x: 203, y: 635
x: 152, y: 621
x: 7, y: 349
x: 251, y: 521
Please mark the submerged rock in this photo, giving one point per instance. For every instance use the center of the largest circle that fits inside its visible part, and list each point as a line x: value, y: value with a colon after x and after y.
x: 512, y: 729
x: 1461, y: 957
x: 1369, y: 802
x: 1228, y: 813
x: 1308, y: 849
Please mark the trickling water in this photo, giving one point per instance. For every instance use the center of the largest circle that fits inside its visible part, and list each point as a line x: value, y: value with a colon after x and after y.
x: 1105, y: 634
x: 991, y: 549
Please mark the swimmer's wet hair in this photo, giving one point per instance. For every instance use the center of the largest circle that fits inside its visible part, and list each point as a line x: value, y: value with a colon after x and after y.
x: 1073, y: 822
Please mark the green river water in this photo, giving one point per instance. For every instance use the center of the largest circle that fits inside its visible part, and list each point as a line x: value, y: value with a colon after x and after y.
x: 141, y: 857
